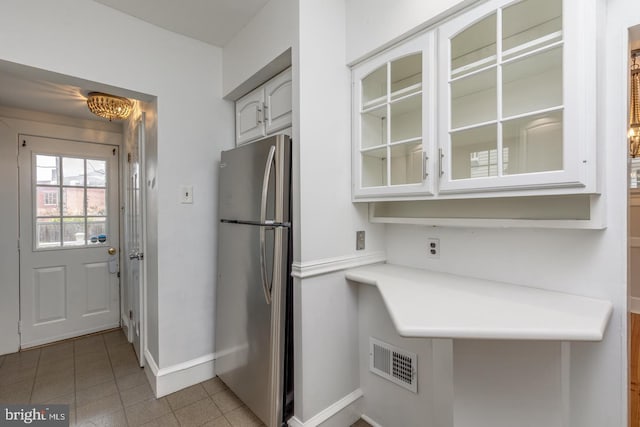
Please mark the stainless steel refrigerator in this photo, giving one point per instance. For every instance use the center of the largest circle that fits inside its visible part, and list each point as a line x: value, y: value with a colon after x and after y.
x: 253, y: 322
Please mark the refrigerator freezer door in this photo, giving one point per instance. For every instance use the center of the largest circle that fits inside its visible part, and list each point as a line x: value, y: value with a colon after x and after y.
x: 244, y: 322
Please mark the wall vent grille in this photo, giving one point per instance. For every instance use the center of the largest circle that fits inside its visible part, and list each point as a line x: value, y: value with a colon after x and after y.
x: 394, y: 364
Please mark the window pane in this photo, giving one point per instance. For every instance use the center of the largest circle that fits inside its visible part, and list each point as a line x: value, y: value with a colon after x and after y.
x: 73, y: 171
x: 47, y: 169
x: 533, y: 83
x: 406, y: 119
x: 73, y: 232
x: 96, y: 173
x: 374, y: 88
x: 96, y: 230
x: 73, y: 201
x: 47, y: 232
x: 474, y: 152
x: 374, y: 168
x: 474, y: 99
x: 406, y: 163
x: 374, y: 127
x: 535, y: 143
x: 47, y: 201
x: 406, y: 75
x: 96, y: 201
x: 529, y: 25
x: 475, y: 47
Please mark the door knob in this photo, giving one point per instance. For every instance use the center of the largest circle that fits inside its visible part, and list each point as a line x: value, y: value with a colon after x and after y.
x: 112, y: 251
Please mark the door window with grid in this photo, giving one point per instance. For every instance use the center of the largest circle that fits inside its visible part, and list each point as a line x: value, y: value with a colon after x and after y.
x: 70, y: 201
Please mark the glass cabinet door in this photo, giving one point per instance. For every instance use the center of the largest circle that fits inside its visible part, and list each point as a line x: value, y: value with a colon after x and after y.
x: 503, y: 92
x: 389, y: 122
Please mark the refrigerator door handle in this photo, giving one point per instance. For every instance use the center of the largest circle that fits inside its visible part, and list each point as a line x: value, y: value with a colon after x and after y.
x: 266, y: 287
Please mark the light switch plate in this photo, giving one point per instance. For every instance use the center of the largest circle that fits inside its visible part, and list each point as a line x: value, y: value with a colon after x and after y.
x: 186, y: 194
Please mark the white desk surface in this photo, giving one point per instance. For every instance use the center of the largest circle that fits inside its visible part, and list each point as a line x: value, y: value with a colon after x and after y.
x: 425, y: 303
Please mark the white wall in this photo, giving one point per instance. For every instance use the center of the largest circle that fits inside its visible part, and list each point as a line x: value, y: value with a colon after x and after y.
x: 9, y: 268
x: 193, y: 124
x: 329, y: 220
x: 326, y: 345
x: 327, y: 362
x: 387, y: 403
x: 271, y: 32
x: 374, y: 23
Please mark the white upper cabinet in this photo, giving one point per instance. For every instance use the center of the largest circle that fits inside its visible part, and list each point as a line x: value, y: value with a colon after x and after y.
x: 514, y: 113
x: 250, y: 116
x: 265, y: 110
x: 392, y: 131
x: 517, y: 97
x: 277, y: 102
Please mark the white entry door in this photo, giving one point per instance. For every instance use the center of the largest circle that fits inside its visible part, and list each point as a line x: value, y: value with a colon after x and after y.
x: 69, y: 239
x: 135, y: 238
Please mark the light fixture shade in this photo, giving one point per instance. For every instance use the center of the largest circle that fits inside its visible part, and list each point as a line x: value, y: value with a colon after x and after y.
x: 109, y: 106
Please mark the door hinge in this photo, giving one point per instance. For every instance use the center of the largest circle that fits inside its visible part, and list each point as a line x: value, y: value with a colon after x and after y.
x: 114, y: 151
x: 118, y: 274
x: 130, y: 314
x: 19, y: 326
x: 128, y: 157
x: 18, y: 245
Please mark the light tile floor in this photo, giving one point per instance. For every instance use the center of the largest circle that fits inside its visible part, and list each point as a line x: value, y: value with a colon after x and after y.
x: 98, y: 376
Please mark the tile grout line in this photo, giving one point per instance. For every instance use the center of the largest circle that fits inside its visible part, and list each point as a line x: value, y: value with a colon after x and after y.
x: 106, y: 347
x: 75, y: 386
x: 35, y: 374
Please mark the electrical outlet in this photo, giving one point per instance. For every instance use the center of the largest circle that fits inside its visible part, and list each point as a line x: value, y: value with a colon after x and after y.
x: 359, y: 240
x: 433, y: 247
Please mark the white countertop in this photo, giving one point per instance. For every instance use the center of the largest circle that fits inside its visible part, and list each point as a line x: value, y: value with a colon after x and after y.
x: 425, y: 303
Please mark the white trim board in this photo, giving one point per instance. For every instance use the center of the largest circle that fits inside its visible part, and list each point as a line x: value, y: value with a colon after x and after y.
x: 167, y: 380
x: 303, y: 270
x: 328, y: 412
x: 370, y: 421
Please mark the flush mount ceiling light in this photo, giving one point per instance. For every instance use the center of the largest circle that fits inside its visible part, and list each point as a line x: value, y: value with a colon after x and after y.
x: 109, y: 106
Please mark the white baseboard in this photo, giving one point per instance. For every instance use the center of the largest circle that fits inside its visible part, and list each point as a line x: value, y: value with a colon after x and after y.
x: 326, y: 414
x: 634, y: 305
x: 124, y: 324
x: 370, y: 421
x: 167, y: 380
